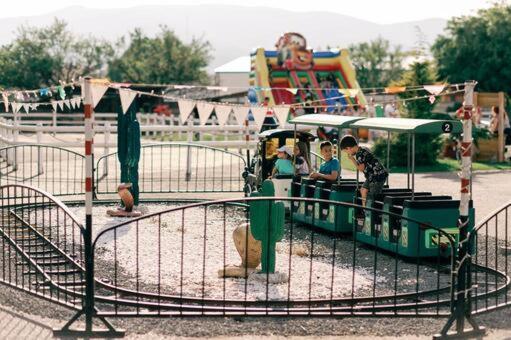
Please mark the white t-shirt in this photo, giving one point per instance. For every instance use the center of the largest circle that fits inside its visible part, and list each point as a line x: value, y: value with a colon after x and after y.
x: 301, y: 166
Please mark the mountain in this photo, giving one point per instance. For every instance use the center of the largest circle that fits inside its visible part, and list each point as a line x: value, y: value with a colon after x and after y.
x: 232, y: 30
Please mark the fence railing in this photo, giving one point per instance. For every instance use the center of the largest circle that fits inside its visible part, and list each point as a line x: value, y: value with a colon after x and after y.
x: 153, y: 126
x: 177, y: 167
x: 56, y: 170
x: 163, y: 168
x: 174, y: 262
x: 42, y: 246
x: 168, y: 263
x: 490, y: 287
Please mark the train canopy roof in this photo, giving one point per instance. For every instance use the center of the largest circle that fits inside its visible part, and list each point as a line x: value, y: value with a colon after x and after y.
x: 409, y: 125
x: 324, y: 119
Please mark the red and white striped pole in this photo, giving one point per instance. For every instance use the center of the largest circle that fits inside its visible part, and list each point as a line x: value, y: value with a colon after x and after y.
x: 89, y: 146
x: 89, y: 187
x: 466, y: 149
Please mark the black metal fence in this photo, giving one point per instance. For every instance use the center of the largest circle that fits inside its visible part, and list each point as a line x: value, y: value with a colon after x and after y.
x: 491, y: 263
x: 172, y: 263
x: 57, y: 170
x: 177, y: 167
x: 42, y: 246
x: 169, y: 263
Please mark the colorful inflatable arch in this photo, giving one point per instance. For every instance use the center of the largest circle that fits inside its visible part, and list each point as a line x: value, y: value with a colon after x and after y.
x: 293, y: 66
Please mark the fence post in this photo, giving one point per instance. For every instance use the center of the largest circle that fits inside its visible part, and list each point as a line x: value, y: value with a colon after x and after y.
x: 107, y: 148
x: 15, y: 134
x: 462, y: 308
x: 39, y: 134
x: 188, y: 150
x: 88, y: 309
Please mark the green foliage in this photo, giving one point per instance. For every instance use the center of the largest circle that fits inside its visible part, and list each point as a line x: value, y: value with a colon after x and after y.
x: 376, y: 63
x: 162, y: 59
x: 42, y: 56
x: 427, y: 146
x: 477, y: 47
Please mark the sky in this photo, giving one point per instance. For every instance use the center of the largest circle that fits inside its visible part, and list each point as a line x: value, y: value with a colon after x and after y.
x: 379, y: 11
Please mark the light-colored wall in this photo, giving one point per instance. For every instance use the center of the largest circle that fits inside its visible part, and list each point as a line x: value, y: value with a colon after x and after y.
x: 232, y: 80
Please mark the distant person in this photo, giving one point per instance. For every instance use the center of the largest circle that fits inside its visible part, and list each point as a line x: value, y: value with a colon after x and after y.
x: 494, y: 124
x: 390, y: 110
x: 330, y: 168
x: 283, y: 165
x: 374, y: 171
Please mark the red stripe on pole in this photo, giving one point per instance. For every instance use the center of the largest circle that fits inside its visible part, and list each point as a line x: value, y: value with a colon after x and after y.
x: 88, y: 148
x: 88, y: 184
x: 466, y: 149
x: 465, y: 183
x: 467, y: 112
x: 87, y: 110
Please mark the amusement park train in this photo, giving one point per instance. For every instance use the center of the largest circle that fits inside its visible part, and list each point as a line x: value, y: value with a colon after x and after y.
x: 400, y: 220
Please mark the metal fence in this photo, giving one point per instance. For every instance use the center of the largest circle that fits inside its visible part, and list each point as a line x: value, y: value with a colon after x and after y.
x: 168, y: 263
x: 171, y: 263
x: 42, y: 246
x: 177, y: 167
x: 56, y: 170
x: 490, y: 286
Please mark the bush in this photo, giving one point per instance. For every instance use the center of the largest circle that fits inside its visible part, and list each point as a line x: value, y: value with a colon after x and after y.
x: 427, y: 147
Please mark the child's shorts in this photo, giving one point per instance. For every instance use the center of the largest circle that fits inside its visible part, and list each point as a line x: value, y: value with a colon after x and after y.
x: 374, y: 188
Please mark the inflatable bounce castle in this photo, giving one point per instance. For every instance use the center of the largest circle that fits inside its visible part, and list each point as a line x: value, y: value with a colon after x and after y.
x: 297, y: 74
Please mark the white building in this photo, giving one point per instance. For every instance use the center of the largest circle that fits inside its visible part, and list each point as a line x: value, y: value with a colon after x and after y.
x: 234, y: 74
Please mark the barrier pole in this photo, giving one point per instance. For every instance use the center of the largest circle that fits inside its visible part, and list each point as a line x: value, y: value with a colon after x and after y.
x: 88, y: 309
x: 462, y: 307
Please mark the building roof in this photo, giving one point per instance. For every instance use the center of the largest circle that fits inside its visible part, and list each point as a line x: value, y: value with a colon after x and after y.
x: 238, y: 65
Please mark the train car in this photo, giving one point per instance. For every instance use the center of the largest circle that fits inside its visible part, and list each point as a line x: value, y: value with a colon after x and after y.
x: 263, y: 161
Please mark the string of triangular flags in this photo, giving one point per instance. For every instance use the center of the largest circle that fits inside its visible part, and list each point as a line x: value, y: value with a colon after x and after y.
x: 204, y: 109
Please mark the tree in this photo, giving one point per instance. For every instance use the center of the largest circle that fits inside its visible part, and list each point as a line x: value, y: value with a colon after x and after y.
x: 427, y: 146
x: 376, y: 63
x: 477, y: 47
x: 162, y: 59
x: 44, y: 56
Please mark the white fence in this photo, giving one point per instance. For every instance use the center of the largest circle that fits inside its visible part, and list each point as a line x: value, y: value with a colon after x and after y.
x: 153, y: 126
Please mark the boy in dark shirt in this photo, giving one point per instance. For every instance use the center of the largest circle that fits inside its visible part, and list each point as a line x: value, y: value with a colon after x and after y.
x: 375, y: 173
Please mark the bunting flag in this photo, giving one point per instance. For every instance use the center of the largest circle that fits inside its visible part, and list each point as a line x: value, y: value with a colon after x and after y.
x: 54, y: 105
x: 281, y: 112
x: 26, y: 107
x: 205, y: 109
x: 67, y: 104
x: 395, y: 89
x: 259, y: 113
x: 127, y: 97
x: 15, y: 107
x: 185, y: 109
x: 434, y: 89
x: 98, y: 90
x: 60, y: 103
x: 222, y: 113
x: 293, y: 91
x: 240, y: 112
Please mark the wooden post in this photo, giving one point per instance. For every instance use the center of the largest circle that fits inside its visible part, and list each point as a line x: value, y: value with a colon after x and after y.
x: 501, y: 139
